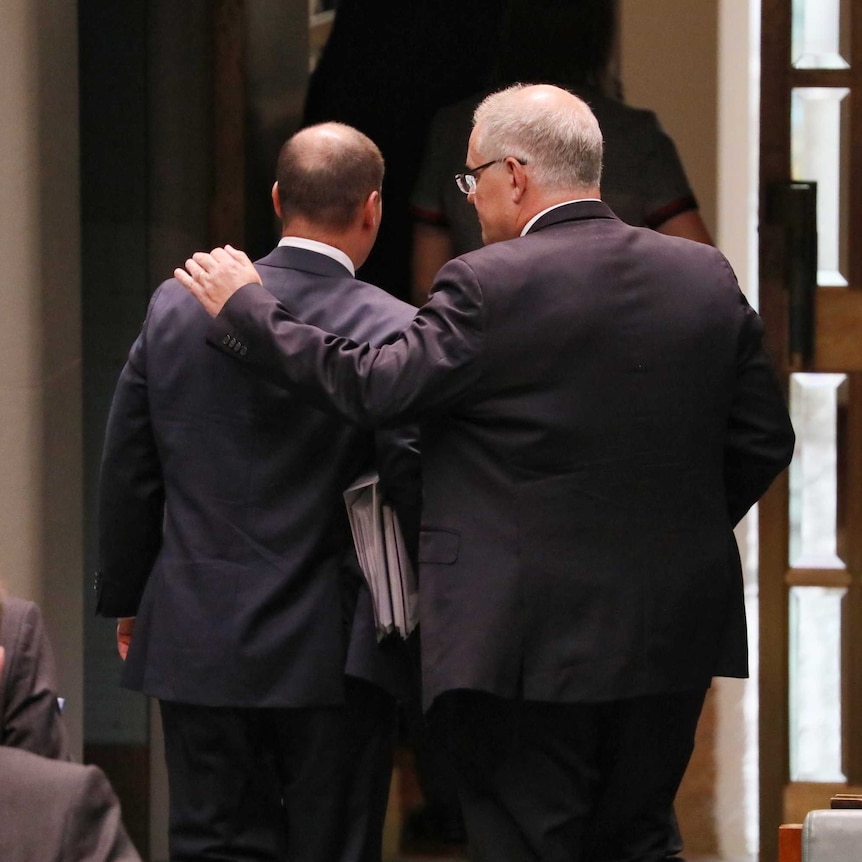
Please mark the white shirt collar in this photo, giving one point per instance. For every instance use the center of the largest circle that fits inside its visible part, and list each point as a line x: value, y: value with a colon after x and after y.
x: 537, y: 216
x: 321, y: 248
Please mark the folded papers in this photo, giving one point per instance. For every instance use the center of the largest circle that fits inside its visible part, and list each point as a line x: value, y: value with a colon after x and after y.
x: 383, y: 557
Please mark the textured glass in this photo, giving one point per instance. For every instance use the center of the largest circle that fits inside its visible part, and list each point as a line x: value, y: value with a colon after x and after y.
x: 815, y: 684
x: 819, y: 142
x: 821, y: 34
x: 813, y: 472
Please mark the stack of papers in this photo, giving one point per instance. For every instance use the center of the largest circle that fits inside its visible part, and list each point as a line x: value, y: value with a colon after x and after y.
x: 383, y: 557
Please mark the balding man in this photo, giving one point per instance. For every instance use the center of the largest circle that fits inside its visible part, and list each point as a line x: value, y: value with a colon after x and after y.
x: 223, y: 534
x: 597, y: 412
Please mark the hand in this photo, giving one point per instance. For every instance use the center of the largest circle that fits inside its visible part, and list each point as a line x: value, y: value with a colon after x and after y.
x: 125, y: 627
x: 215, y: 277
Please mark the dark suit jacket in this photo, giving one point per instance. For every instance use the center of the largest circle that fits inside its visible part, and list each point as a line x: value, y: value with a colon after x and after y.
x: 29, y: 711
x: 222, y: 523
x: 597, y: 414
x: 63, y: 812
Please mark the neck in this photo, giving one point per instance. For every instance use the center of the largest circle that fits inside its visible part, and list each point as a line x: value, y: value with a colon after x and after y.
x: 540, y: 203
x: 343, y: 240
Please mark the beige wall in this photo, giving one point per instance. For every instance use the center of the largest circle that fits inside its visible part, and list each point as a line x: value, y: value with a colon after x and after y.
x: 668, y: 63
x: 40, y: 376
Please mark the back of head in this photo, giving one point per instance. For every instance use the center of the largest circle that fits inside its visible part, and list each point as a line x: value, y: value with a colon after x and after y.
x: 547, y: 128
x: 325, y: 173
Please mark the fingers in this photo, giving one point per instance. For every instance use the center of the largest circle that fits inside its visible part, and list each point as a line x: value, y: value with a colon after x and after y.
x: 204, y: 261
x: 184, y: 278
x: 213, y: 277
x: 237, y: 255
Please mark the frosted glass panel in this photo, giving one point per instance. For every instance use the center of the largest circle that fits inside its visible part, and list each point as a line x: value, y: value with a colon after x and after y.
x: 813, y: 472
x: 815, y: 684
x: 820, y: 126
x: 821, y: 34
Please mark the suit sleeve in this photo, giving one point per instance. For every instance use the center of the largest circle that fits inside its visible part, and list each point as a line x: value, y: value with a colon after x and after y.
x: 59, y: 811
x: 31, y: 712
x: 431, y: 366
x: 760, y: 437
x: 398, y: 464
x: 131, y: 492
x: 94, y: 826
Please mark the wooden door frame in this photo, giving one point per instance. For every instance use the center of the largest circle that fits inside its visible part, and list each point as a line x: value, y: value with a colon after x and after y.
x: 839, y: 312
x: 773, y: 753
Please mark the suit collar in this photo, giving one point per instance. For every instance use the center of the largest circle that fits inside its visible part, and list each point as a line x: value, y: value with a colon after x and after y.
x: 574, y: 211
x: 290, y: 257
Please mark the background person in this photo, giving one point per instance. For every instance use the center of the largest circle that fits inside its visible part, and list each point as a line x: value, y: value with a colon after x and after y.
x: 30, y: 710
x: 568, y: 43
x: 49, y: 808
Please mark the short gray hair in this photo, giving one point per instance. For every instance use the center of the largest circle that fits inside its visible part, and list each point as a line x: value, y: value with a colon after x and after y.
x: 563, y: 146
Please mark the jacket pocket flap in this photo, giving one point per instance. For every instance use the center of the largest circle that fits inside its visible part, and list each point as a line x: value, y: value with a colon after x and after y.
x: 438, y: 546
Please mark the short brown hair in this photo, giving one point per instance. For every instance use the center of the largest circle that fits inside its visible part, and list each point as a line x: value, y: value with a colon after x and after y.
x: 326, y: 172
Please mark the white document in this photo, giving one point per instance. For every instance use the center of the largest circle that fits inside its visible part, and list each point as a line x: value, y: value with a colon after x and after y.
x: 382, y: 557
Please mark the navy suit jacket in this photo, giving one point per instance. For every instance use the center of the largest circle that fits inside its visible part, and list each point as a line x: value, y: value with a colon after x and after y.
x: 221, y: 518
x: 597, y: 413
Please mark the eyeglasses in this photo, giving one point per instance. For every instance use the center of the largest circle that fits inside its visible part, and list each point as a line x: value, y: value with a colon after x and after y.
x: 466, y: 182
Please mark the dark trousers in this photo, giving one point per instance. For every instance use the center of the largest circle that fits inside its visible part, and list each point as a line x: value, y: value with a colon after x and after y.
x: 304, y: 784
x: 550, y: 782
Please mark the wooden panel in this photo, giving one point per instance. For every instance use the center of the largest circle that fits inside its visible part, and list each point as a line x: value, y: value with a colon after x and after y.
x: 128, y: 770
x: 804, y: 796
x: 855, y: 167
x: 850, y: 521
x: 838, y: 344
x: 227, y: 216
x: 821, y: 78
x: 773, y: 682
x: 790, y: 842
x: 773, y: 510
x: 817, y: 578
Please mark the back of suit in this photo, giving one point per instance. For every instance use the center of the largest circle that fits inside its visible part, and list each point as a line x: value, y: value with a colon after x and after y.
x: 253, y: 599
x: 224, y: 534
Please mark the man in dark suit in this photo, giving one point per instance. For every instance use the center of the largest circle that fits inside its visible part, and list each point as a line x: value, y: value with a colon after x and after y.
x: 223, y: 533
x: 597, y: 413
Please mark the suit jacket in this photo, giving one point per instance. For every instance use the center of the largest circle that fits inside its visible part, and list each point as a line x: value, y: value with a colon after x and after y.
x: 597, y: 414
x: 63, y: 812
x: 222, y: 522
x: 29, y: 710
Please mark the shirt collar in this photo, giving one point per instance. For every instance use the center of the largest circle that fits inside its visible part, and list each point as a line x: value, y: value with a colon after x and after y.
x: 537, y: 216
x: 321, y: 248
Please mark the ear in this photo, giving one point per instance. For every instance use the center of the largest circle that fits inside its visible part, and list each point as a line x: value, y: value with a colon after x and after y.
x: 517, y: 179
x: 372, y: 211
x: 276, y: 203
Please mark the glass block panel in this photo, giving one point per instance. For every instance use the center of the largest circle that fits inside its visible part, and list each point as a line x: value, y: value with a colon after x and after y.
x: 815, y: 684
x: 819, y: 149
x: 813, y: 471
x: 821, y: 34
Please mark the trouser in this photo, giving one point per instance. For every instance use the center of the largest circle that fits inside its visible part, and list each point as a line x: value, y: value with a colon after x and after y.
x: 304, y: 784
x: 553, y: 782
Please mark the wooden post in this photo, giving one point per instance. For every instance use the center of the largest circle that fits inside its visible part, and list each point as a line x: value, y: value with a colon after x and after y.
x: 790, y: 842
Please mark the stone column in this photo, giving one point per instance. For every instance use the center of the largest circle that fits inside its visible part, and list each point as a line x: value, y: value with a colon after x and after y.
x: 40, y: 375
